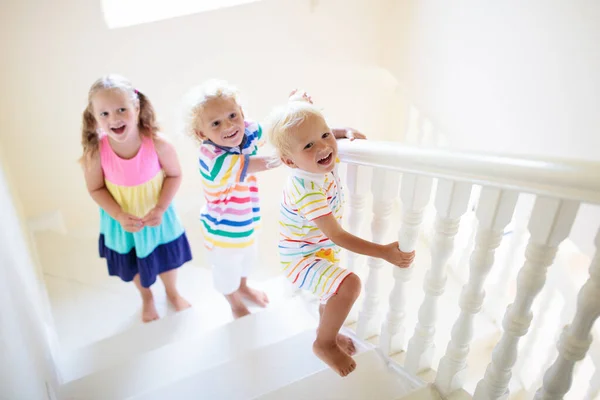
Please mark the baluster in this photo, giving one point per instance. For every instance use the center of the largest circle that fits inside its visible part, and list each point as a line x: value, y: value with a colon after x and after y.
x: 512, y: 255
x: 551, y: 221
x: 576, y: 338
x: 385, y: 190
x: 451, y: 201
x: 528, y: 370
x: 357, y: 180
x: 494, y: 212
x: 414, y: 193
x: 466, y: 245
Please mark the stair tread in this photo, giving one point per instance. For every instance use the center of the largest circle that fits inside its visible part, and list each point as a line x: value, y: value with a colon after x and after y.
x: 372, y: 375
x: 178, y: 360
x: 120, y: 347
x: 288, y: 370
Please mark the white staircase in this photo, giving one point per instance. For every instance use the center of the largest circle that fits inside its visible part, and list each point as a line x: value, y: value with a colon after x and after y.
x: 438, y: 329
x: 267, y: 355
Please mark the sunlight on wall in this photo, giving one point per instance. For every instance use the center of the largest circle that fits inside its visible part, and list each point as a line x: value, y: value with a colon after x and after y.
x: 122, y: 13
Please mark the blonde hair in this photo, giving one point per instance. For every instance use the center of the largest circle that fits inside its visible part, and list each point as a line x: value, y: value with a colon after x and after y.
x: 199, y: 96
x: 284, y: 119
x: 147, y: 119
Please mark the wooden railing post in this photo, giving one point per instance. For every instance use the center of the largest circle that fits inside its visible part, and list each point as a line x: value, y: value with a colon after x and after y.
x: 451, y: 201
x: 576, y: 339
x: 385, y: 191
x: 494, y: 212
x: 357, y: 182
x: 414, y: 193
x: 551, y: 222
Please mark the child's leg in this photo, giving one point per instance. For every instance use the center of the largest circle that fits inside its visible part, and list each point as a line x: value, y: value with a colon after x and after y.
x: 238, y: 308
x: 256, y: 296
x: 343, y: 341
x: 250, y: 259
x: 334, y: 314
x: 227, y: 265
x: 149, y: 312
x: 169, y: 279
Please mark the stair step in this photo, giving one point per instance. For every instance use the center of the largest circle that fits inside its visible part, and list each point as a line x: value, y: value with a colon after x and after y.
x: 178, y: 360
x: 142, y: 338
x: 248, y: 376
x: 288, y: 370
x: 139, y: 339
x: 373, y: 378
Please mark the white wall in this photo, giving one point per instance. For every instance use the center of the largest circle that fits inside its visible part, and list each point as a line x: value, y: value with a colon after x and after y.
x: 26, y: 367
x: 52, y: 54
x: 510, y: 76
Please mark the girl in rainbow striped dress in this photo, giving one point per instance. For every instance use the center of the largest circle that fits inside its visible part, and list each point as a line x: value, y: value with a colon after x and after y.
x: 310, y: 224
x: 228, y: 162
x: 133, y: 175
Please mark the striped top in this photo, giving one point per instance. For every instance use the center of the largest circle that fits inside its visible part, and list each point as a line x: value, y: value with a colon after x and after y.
x: 232, y: 209
x: 306, y: 197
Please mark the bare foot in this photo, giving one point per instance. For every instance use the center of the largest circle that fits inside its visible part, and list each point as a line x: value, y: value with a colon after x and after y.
x: 238, y: 308
x: 239, y: 312
x: 179, y: 302
x: 346, y: 344
x: 149, y: 312
x: 331, y: 354
x: 256, y: 296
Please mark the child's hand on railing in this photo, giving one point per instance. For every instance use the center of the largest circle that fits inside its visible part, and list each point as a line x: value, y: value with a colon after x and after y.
x: 394, y: 255
x: 297, y: 95
x: 347, y: 133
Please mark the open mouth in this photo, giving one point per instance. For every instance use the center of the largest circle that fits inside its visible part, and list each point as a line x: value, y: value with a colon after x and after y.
x: 119, y: 130
x: 232, y: 135
x: 326, y: 160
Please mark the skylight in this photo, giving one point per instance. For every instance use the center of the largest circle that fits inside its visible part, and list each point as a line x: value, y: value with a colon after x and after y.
x: 122, y: 13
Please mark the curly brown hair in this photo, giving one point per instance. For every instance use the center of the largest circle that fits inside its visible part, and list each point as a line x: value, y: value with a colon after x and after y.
x: 147, y: 119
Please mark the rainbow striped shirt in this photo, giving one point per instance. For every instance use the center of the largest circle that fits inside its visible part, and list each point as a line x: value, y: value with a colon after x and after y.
x: 232, y: 209
x: 306, y: 197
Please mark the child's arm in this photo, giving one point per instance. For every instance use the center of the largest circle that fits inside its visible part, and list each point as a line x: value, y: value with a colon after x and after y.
x: 390, y: 252
x: 167, y: 156
x: 94, y: 179
x: 262, y: 163
x: 347, y: 133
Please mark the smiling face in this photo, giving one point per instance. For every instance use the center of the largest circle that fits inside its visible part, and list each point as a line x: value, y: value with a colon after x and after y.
x: 312, y: 146
x: 116, y: 114
x: 221, y: 121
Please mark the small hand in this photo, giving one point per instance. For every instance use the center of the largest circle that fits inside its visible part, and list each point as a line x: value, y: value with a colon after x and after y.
x: 129, y: 222
x: 393, y: 255
x: 354, y: 134
x: 347, y: 133
x: 154, y: 217
x: 300, y: 96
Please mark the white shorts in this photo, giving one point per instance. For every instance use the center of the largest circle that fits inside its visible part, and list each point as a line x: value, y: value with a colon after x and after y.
x: 229, y: 266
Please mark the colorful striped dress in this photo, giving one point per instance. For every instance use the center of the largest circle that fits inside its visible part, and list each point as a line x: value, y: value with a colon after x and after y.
x: 310, y: 260
x: 232, y: 211
x: 135, y: 184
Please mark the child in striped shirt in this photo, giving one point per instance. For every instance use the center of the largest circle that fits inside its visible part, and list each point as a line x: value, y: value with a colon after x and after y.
x: 228, y: 162
x: 310, y: 230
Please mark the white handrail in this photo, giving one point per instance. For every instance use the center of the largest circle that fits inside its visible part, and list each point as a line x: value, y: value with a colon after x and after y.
x: 566, y: 179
